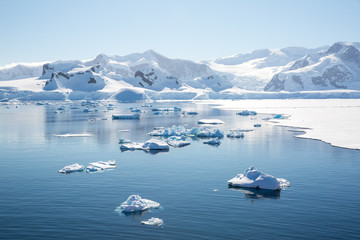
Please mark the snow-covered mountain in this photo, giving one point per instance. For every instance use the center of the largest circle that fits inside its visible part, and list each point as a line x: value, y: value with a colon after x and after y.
x: 151, y: 75
x: 337, y: 67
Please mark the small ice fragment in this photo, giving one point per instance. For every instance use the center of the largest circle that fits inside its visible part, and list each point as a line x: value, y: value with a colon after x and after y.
x: 191, y: 113
x: 166, y: 109
x: 257, y: 125
x: 73, y: 135
x: 155, y: 144
x: 122, y: 140
x: 207, y: 133
x: 131, y: 146
x: 153, y: 221
x: 246, y: 113
x: 126, y: 116
x: 234, y: 134
x: 135, y: 109
x: 252, y: 178
x: 210, y: 121
x: 177, y: 141
x: 72, y: 168
x: 101, y: 165
x: 213, y: 141
x: 135, y: 203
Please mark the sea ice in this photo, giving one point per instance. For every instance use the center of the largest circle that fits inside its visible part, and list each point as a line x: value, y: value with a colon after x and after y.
x: 72, y: 168
x: 253, y: 178
x: 213, y: 141
x: 246, y: 113
x: 126, y: 116
x: 135, y: 203
x: 210, y: 121
x: 207, y: 133
x: 131, y: 146
x: 235, y: 134
x: 155, y: 144
x: 177, y: 141
x: 166, y: 109
x: 73, y: 135
x: 101, y: 165
x: 153, y: 221
x: 122, y: 141
x: 135, y: 109
x: 167, y: 132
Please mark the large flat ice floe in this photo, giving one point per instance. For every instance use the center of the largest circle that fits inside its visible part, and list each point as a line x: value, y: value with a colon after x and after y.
x: 73, y: 135
x: 135, y: 203
x: 72, y: 168
x: 253, y: 178
x: 333, y: 121
x: 101, y: 165
x: 153, y: 221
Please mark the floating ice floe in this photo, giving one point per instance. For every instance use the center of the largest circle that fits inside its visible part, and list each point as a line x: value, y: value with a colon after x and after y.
x: 210, y: 121
x: 166, y: 109
x: 257, y: 125
x: 201, y: 132
x: 126, y: 116
x: 167, y: 132
x: 177, y: 141
x: 122, y: 140
x: 191, y: 113
x: 246, y: 113
x: 135, y: 203
x: 241, y: 130
x: 208, y: 133
x: 213, y: 141
x: 252, y: 178
x: 72, y: 168
x: 152, y: 144
x: 101, y: 165
x: 135, y: 109
x: 153, y: 221
x: 235, y: 134
x: 73, y: 135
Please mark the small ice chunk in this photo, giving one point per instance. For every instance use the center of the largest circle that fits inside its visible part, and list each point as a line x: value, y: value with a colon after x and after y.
x: 155, y: 144
x: 131, y: 146
x: 252, y: 178
x: 246, y: 113
x: 153, y: 221
x: 177, y: 141
x: 191, y: 113
x: 234, y: 134
x: 72, y: 168
x: 73, y: 135
x: 135, y: 109
x: 135, y: 203
x: 126, y: 116
x: 166, y: 109
x: 257, y: 125
x: 123, y: 140
x: 210, y: 121
x: 207, y: 133
x: 213, y: 141
x: 168, y: 132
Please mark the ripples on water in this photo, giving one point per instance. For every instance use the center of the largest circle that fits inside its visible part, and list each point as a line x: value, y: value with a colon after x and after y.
x: 36, y: 202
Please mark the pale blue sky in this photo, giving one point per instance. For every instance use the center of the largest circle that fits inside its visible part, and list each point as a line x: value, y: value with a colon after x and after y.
x: 44, y: 30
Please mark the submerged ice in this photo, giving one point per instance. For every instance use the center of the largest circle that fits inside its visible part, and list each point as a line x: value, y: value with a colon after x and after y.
x: 153, y: 221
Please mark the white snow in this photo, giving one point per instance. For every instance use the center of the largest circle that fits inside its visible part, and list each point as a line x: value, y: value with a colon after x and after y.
x: 253, y: 178
x: 73, y: 135
x: 334, y: 121
x: 153, y: 221
x: 72, y: 168
x: 210, y: 121
x: 135, y: 203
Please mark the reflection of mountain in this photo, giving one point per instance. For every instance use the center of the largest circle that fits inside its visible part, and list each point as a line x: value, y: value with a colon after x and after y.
x: 255, y: 193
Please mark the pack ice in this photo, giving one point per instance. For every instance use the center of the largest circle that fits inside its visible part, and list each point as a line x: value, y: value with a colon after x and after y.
x: 101, y: 165
x: 253, y: 178
x: 135, y: 203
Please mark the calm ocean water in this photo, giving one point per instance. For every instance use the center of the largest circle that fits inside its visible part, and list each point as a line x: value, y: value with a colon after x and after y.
x: 190, y: 183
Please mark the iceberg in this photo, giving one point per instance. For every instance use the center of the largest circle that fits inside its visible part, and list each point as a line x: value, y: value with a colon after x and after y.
x: 253, y: 178
x: 213, y: 141
x: 177, y: 141
x: 135, y: 203
x: 246, y: 113
x: 101, y: 165
x: 153, y: 221
x: 207, y: 133
x: 235, y: 134
x: 167, y: 132
x: 210, y: 121
x: 72, y: 168
x: 126, y: 116
x: 73, y: 135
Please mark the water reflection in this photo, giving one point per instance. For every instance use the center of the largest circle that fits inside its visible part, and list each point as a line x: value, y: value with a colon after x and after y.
x: 255, y: 193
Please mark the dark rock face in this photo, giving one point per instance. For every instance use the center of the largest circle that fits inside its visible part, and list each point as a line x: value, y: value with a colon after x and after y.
x: 299, y: 64
x: 275, y: 84
x: 336, y: 47
x: 145, y: 77
x: 297, y: 79
x: 92, y: 80
x: 336, y: 76
x: 351, y: 54
x: 47, y: 67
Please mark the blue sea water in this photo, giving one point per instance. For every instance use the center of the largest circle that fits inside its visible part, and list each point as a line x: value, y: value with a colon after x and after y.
x: 190, y: 183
